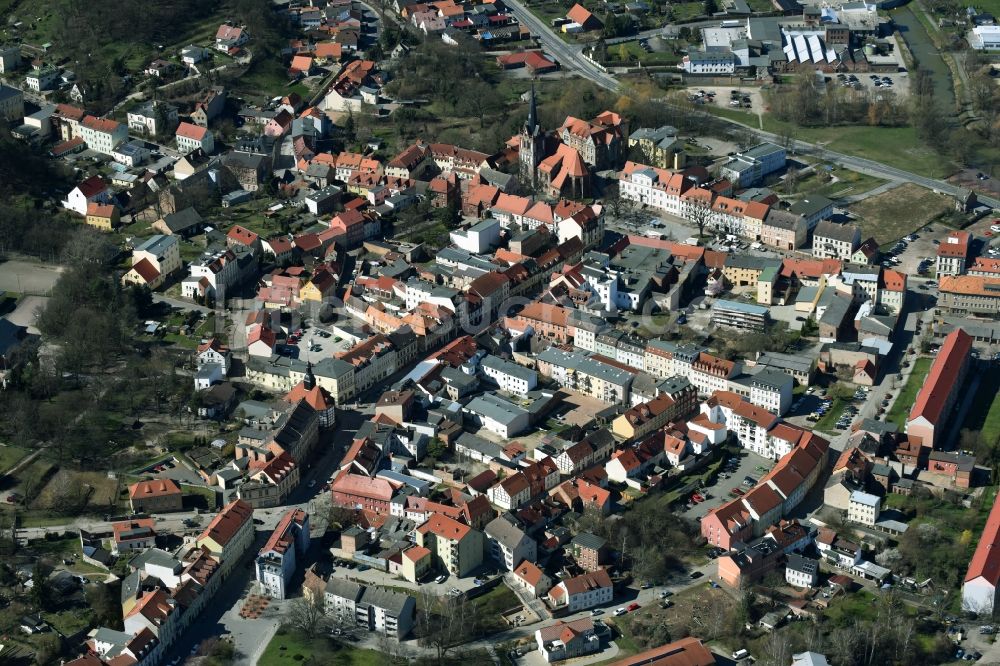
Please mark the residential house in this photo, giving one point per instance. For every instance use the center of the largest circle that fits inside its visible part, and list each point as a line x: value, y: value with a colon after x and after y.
x: 508, y: 544
x: 91, y: 190
x: 581, y: 592
x: 277, y: 560
x: 228, y: 536
x: 833, y: 240
x: 102, y: 135
x: 953, y: 254
x: 153, y: 118
x: 155, y: 496
x: 568, y: 640
x: 530, y: 578
x: 191, y: 137
x: 457, y: 548
x: 102, y: 216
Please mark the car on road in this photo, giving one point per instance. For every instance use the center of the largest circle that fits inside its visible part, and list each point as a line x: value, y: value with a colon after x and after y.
x: 440, y: 579
x: 619, y: 612
x: 596, y: 611
x: 633, y: 606
x: 666, y: 593
x: 736, y: 492
x: 995, y: 227
x: 695, y: 575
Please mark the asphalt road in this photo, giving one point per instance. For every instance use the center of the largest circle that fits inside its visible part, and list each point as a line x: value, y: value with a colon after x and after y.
x: 571, y: 57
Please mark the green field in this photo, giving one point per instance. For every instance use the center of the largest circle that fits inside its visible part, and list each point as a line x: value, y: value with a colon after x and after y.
x: 10, y: 455
x: 846, y: 183
x: 904, y: 401
x: 898, y: 147
x: 893, y: 214
x: 632, y: 52
x: 294, y: 648
x: 984, y: 415
x: 686, y: 11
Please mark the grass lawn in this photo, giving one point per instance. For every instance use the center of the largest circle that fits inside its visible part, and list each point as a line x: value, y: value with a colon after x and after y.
x: 490, y: 606
x: 631, y: 52
x: 846, y: 182
x: 984, y: 415
x: 901, y: 407
x: 294, y: 648
x: 199, y: 496
x: 893, y: 214
x: 685, y: 11
x: 899, y: 147
x: 10, y: 455
x: 68, y: 622
x: 859, y: 605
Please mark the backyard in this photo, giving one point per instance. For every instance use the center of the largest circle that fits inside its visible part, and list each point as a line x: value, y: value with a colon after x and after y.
x: 891, y: 215
x: 904, y: 401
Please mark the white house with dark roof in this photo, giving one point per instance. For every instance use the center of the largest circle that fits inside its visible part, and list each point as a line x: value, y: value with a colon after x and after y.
x: 508, y: 545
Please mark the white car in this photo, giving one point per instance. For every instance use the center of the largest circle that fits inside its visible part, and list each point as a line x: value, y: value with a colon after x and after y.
x: 619, y: 612
x: 440, y: 579
x: 995, y: 227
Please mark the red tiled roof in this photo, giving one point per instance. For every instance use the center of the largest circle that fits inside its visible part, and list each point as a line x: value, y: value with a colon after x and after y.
x: 153, y: 488
x: 986, y: 560
x: 685, y: 652
x: 282, y: 538
x: 100, y: 124
x: 529, y: 573
x: 444, y: 527
x: 100, y: 210
x: 229, y: 521
x: 146, y: 270
x: 92, y: 186
x: 940, y: 382
x: 242, y: 235
x: 594, y: 580
x: 189, y: 131
x: 955, y: 245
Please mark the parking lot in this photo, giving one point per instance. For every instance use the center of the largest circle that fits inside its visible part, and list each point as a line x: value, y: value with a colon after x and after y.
x: 897, y: 83
x: 747, y: 464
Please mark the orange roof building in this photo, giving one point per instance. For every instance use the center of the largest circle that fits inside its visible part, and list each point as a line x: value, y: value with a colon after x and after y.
x: 983, y: 576
x: 941, y: 389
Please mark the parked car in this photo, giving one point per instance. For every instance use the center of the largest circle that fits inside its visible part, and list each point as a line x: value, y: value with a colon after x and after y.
x: 633, y: 607
x: 619, y: 612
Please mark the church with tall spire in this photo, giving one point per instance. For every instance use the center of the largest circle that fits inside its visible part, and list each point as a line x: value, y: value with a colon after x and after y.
x: 559, y: 163
x: 531, y: 150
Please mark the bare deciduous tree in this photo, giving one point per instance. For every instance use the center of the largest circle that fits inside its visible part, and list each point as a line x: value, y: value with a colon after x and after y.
x: 308, y: 616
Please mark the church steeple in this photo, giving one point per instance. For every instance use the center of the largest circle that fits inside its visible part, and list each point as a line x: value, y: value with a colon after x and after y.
x: 531, y: 124
x: 309, y: 381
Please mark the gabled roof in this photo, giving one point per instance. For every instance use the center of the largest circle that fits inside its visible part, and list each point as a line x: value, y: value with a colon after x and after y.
x: 940, y: 382
x: 190, y: 131
x: 228, y: 522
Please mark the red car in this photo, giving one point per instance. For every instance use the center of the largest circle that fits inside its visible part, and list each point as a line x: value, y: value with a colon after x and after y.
x: 736, y: 492
x: 697, y: 498
x: 633, y: 607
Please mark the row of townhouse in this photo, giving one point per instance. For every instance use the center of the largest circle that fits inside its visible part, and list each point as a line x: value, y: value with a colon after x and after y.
x: 164, y: 594
x: 756, y: 428
x: 766, y: 387
x: 774, y: 496
x: 593, y: 375
x: 678, y: 194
